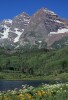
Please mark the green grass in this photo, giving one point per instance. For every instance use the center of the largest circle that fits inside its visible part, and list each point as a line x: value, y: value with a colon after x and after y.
x: 20, y: 76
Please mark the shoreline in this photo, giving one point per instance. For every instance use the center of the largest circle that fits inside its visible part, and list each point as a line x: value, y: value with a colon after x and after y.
x: 25, y: 77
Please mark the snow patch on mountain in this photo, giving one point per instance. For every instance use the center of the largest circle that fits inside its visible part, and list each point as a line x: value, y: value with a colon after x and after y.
x: 26, y: 19
x: 5, y: 33
x: 40, y: 41
x: 60, y: 22
x: 18, y: 34
x: 48, y: 11
x: 64, y: 30
x: 8, y: 21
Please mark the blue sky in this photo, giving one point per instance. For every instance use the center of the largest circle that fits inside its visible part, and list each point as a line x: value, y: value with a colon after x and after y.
x: 11, y: 8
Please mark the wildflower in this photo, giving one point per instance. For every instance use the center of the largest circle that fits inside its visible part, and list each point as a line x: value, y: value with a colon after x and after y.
x: 29, y: 96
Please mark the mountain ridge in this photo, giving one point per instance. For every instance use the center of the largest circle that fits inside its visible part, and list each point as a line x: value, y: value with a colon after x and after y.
x: 42, y: 29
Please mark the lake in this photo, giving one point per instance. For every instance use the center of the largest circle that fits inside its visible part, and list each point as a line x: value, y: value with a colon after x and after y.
x: 10, y: 85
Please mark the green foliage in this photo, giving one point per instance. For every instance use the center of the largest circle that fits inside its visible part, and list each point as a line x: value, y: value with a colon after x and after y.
x: 36, y: 62
x: 61, y: 43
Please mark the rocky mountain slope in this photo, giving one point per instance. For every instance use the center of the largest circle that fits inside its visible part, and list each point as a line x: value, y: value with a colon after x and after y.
x: 43, y: 29
x: 11, y: 30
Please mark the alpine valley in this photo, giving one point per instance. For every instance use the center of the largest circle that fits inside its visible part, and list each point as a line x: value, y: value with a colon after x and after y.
x: 34, y: 47
x: 44, y: 29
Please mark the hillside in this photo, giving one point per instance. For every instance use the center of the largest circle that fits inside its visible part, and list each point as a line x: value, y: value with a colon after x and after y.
x: 35, y: 63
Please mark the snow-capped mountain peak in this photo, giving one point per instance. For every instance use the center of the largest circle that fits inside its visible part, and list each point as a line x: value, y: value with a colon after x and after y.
x: 48, y: 11
x: 8, y: 21
x: 43, y: 27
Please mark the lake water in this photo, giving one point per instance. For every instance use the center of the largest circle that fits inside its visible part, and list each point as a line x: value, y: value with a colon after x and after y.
x: 10, y: 85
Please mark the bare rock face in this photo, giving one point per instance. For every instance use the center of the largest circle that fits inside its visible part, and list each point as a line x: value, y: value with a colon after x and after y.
x: 43, y: 29
x: 44, y: 26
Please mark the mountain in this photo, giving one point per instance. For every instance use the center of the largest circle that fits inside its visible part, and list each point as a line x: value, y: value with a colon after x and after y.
x: 44, y: 29
x: 11, y: 30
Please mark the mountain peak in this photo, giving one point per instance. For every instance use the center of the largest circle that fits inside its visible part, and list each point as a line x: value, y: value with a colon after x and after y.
x: 44, y: 26
x: 45, y: 10
x: 23, y: 14
x: 7, y: 21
